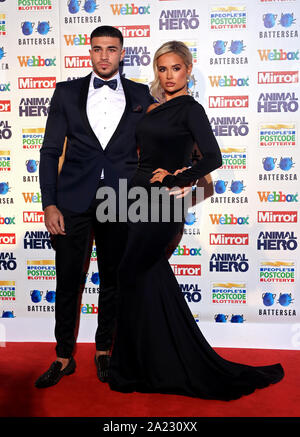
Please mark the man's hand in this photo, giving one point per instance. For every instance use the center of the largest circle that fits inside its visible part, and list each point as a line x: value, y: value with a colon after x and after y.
x: 54, y: 220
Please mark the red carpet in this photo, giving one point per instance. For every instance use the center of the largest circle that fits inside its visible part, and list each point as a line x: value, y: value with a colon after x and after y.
x: 83, y: 395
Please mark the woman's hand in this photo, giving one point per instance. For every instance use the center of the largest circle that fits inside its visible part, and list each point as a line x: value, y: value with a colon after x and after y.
x: 180, y: 192
x: 159, y: 175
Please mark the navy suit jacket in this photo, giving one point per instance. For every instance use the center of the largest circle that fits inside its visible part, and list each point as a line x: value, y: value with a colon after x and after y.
x: 76, y: 185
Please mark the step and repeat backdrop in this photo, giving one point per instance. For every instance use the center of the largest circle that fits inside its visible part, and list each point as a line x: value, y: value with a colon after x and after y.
x: 238, y: 260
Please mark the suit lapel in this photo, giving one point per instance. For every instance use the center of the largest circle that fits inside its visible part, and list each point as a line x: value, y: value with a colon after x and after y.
x: 82, y: 102
x: 123, y: 118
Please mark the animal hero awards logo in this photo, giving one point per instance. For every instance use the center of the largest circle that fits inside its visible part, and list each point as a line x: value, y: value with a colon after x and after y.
x: 5, y: 130
x: 228, y: 17
x: 277, y: 102
x: 179, y: 19
x: 277, y: 240
x: 277, y: 134
x: 229, y: 126
x: 277, y: 271
x: 229, y: 293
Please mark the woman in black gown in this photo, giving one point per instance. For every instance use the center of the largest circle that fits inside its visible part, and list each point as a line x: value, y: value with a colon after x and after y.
x: 158, y: 345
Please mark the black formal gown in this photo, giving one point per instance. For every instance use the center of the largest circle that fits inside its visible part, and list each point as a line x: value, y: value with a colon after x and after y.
x: 159, y: 347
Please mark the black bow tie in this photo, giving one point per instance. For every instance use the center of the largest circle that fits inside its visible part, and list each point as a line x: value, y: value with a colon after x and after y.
x: 98, y: 83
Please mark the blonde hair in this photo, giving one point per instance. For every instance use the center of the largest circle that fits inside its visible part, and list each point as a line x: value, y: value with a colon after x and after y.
x: 180, y: 49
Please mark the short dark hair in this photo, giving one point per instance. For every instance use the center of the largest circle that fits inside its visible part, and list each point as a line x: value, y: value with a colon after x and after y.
x: 111, y: 31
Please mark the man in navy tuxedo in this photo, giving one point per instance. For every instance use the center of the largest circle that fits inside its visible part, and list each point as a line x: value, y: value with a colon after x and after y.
x: 97, y: 115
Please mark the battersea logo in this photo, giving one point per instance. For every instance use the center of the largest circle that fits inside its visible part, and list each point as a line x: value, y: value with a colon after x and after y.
x: 277, y: 271
x: 271, y: 163
x: 228, y: 102
x: 31, y: 167
x: 234, y: 158
x: 142, y: 31
x: 191, y: 292
x: 186, y: 269
x: 5, y: 189
x: 229, y: 239
x: 277, y: 216
x: 229, y: 17
x: 36, y: 61
x: 277, y: 302
x: 228, y: 219
x: 273, y: 77
x: 136, y: 56
x: 236, y: 187
x: 178, y: 19
x: 41, y: 270
x: 277, y: 241
x: 274, y: 196
x: 278, y: 25
x: 34, y: 107
x: 235, y: 47
x: 33, y: 83
x: 32, y: 138
x: 230, y: 81
x: 89, y: 6
x: 229, y: 126
x: 41, y: 28
x: 277, y: 102
x: 7, y: 261
x: 7, y: 290
x: 277, y: 134
x: 228, y: 262
x: 233, y: 293
x: 37, y: 240
x: 5, y: 160
x: 130, y: 9
x: 183, y: 250
x: 34, y: 5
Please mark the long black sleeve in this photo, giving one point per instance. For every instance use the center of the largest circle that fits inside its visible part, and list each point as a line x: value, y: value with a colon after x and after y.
x: 198, y: 124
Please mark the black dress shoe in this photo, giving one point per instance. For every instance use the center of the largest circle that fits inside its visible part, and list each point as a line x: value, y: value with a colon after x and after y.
x: 102, y: 364
x: 54, y: 373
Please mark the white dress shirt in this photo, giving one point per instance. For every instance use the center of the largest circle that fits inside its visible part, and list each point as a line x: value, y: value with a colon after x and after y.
x: 105, y: 108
